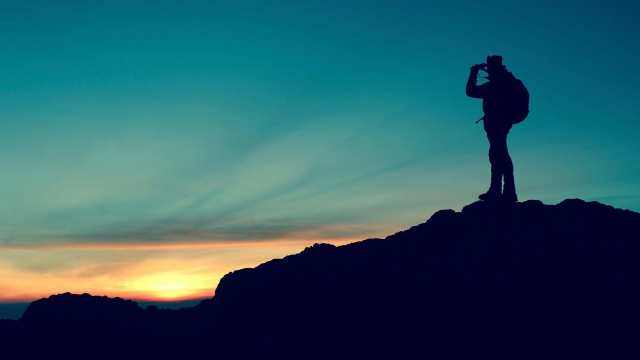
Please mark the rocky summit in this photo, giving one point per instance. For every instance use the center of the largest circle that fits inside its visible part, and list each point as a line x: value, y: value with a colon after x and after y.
x: 493, y: 281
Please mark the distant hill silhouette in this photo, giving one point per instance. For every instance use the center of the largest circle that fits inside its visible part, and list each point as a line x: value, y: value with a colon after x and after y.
x: 494, y: 281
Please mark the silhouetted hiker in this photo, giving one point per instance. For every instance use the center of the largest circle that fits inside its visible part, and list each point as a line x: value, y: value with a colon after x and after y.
x: 505, y: 102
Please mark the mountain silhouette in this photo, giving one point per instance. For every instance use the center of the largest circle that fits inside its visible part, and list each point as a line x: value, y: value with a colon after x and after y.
x: 494, y: 281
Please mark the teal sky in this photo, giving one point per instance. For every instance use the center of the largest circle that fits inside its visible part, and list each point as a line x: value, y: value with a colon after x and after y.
x: 198, y: 121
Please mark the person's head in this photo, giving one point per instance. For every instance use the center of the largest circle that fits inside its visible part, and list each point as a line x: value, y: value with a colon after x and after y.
x: 494, y: 65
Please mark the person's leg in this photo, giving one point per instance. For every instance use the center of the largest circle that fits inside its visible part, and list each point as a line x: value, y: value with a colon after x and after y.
x: 495, y: 154
x: 500, y: 155
x: 509, y: 191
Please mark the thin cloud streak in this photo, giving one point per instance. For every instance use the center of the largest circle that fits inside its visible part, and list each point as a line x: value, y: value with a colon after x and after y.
x: 132, y: 245
x: 178, y: 235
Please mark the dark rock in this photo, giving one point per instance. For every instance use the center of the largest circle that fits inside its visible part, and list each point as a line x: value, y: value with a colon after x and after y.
x: 499, y: 281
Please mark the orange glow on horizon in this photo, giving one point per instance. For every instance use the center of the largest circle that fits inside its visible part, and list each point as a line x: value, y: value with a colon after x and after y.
x: 165, y: 272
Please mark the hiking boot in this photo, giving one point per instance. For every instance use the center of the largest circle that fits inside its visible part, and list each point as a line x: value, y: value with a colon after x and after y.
x: 510, y: 197
x: 491, y: 195
x: 509, y: 193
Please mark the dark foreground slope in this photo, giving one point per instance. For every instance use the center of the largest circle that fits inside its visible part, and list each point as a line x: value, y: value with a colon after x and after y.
x: 520, y: 281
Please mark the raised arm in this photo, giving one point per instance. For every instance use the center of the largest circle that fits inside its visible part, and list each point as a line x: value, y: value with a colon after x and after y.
x: 473, y: 90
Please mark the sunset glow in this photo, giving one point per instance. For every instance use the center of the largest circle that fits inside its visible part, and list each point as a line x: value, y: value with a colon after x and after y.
x: 155, y: 272
x: 148, y: 148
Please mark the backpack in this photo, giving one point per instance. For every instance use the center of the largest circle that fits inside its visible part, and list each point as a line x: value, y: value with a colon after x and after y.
x: 520, y: 98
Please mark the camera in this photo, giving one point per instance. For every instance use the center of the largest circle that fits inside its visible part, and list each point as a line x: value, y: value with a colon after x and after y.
x: 477, y: 67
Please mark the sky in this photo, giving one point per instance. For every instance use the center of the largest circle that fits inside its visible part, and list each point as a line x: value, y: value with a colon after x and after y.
x: 150, y: 147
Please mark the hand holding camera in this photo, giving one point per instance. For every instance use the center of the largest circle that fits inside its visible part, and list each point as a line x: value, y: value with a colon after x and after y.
x: 477, y: 67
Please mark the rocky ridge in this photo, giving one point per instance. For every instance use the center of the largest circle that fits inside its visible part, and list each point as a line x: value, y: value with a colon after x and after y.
x: 499, y: 281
